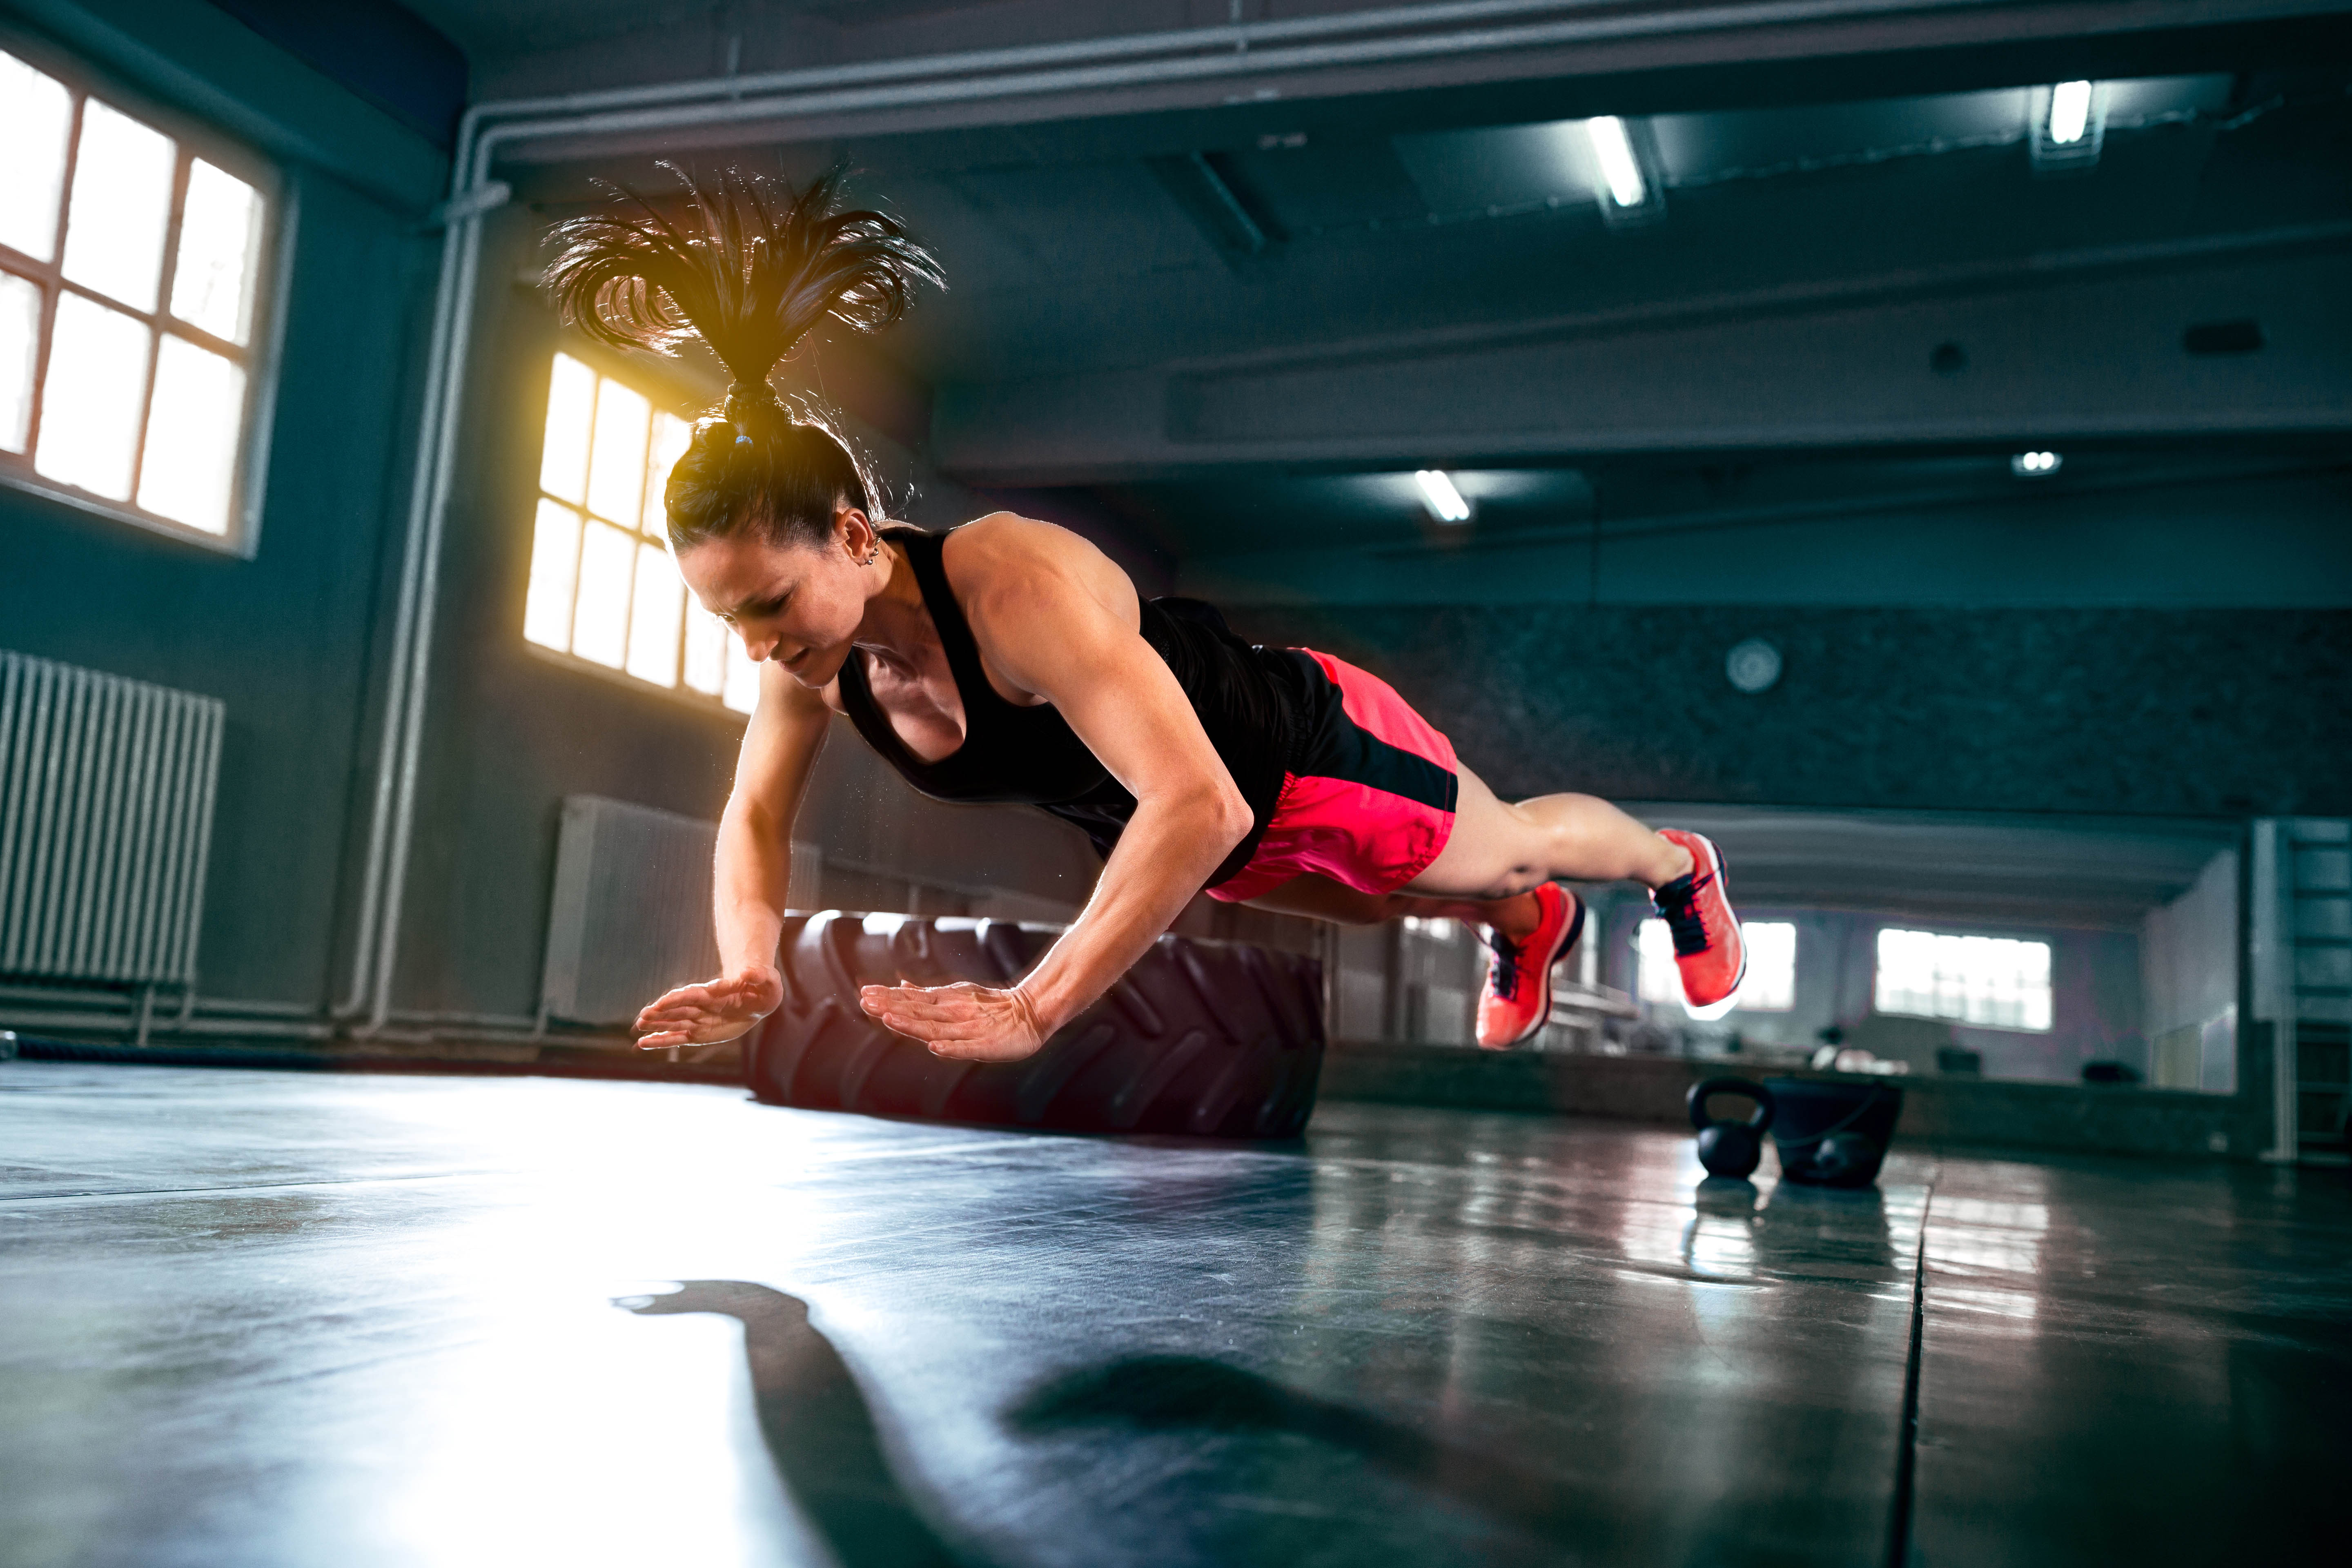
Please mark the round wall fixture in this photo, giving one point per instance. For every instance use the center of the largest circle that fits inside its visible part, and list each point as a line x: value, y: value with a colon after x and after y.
x: 1753, y: 666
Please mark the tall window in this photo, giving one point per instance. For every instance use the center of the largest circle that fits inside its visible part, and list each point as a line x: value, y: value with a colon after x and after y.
x: 129, y: 271
x: 1991, y: 981
x: 1771, y: 983
x: 603, y: 585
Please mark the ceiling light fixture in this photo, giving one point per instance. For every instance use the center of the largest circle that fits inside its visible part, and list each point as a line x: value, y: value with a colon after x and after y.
x: 1618, y: 164
x: 2069, y: 124
x: 2035, y: 465
x: 2070, y: 113
x: 1437, y: 493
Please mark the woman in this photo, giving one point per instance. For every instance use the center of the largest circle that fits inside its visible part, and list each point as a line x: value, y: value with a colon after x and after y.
x: 1011, y: 660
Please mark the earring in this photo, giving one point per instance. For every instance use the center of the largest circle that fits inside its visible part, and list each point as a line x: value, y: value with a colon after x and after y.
x: 870, y: 556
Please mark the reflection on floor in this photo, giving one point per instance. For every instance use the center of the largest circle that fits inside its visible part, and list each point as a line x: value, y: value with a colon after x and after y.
x: 274, y: 1319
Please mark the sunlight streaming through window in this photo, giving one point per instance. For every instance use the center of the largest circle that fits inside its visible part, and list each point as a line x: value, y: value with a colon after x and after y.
x: 1994, y: 982
x: 616, y: 463
x: 570, y: 405
x: 103, y: 220
x: 600, y: 621
x: 189, y: 469
x: 705, y: 651
x: 655, y: 616
x: 20, y: 346
x: 35, y: 118
x: 122, y: 206
x: 672, y: 435
x: 554, y: 574
x: 220, y: 225
x: 90, y: 411
x: 742, y: 693
x: 604, y: 587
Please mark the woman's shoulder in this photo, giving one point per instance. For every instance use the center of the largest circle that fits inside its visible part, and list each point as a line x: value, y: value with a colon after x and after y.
x: 1006, y: 548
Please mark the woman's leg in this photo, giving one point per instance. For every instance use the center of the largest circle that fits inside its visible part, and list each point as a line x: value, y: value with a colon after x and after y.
x: 1321, y: 899
x: 1498, y: 851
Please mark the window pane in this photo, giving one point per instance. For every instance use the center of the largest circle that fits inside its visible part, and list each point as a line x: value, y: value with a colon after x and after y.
x: 122, y: 206
x: 742, y: 692
x: 1994, y: 982
x: 672, y: 435
x: 563, y: 461
x: 600, y: 625
x: 1771, y: 983
x: 554, y: 571
x: 20, y: 342
x: 35, y: 115
x: 89, y: 410
x: 1661, y: 981
x: 212, y: 287
x: 705, y: 651
x: 190, y: 468
x: 654, y: 616
x: 617, y: 472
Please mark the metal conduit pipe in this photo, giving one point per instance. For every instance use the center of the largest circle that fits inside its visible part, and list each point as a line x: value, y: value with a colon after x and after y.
x: 272, y: 1029
x: 1230, y: 36
x: 1375, y: 51
x: 971, y: 77
x: 455, y: 238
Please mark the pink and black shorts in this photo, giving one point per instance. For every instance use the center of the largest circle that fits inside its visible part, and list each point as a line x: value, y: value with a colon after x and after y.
x: 1369, y: 798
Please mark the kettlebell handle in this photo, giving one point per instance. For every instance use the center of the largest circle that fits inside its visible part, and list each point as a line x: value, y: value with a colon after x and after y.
x: 1755, y: 1091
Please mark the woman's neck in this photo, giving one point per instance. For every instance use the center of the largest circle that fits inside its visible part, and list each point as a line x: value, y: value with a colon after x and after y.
x: 896, y: 625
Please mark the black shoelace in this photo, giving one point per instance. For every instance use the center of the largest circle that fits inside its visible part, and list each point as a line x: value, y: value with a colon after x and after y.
x: 1502, y: 975
x: 1677, y: 905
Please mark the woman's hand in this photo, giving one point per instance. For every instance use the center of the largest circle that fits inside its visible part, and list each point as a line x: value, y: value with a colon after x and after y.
x: 714, y: 1011
x: 963, y: 1020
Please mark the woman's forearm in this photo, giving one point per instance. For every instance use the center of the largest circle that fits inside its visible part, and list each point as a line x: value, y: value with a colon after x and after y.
x: 750, y: 883
x: 1165, y: 853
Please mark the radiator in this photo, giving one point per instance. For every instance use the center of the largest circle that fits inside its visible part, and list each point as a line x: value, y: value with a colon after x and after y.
x: 629, y: 916
x: 106, y: 815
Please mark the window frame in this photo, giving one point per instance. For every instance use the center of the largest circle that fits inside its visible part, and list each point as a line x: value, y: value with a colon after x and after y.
x: 668, y: 393
x: 260, y: 357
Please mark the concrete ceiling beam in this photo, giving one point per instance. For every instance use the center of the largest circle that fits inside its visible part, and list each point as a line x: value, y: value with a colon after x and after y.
x: 2090, y: 346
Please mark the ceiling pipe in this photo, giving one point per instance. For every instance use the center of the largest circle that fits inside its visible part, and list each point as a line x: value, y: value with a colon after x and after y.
x: 1046, y: 70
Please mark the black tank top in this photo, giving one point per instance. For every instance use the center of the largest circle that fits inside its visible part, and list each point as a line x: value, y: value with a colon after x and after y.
x: 1247, y: 698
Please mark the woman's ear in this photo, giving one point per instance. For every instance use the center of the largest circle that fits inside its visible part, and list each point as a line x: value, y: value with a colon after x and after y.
x: 858, y: 533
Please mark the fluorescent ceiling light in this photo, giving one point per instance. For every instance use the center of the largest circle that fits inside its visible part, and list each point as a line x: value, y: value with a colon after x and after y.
x: 2034, y: 464
x: 1618, y: 165
x: 1445, y: 503
x: 2070, y: 113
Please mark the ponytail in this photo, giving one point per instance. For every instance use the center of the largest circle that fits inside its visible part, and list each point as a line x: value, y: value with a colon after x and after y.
x: 750, y: 268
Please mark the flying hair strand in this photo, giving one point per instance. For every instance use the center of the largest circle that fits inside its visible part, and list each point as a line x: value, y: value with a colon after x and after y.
x: 747, y: 264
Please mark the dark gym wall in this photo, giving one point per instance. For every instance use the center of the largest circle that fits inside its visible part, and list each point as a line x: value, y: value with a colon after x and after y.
x: 2180, y: 712
x: 284, y: 640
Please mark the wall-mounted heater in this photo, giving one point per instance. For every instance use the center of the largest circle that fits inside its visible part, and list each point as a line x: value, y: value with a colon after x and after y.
x: 106, y: 818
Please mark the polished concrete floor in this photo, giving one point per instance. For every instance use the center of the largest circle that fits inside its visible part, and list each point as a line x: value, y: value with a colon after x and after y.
x: 252, y: 1319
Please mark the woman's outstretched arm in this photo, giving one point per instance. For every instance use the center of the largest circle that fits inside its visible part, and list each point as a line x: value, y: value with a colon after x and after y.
x: 752, y: 872
x: 1054, y: 618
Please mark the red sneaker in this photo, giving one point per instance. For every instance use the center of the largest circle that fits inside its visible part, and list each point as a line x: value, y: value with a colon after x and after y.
x: 1697, y: 909
x: 1516, y: 1001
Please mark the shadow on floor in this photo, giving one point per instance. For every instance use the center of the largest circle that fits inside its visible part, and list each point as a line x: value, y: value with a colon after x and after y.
x: 818, y: 1429
x: 1173, y: 1392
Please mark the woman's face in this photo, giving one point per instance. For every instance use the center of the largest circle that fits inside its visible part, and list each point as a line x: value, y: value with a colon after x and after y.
x: 797, y: 604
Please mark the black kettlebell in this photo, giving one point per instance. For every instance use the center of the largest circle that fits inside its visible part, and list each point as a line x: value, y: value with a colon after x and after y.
x: 1731, y: 1148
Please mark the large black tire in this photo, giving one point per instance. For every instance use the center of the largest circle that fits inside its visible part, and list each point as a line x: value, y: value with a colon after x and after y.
x: 1207, y: 1038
